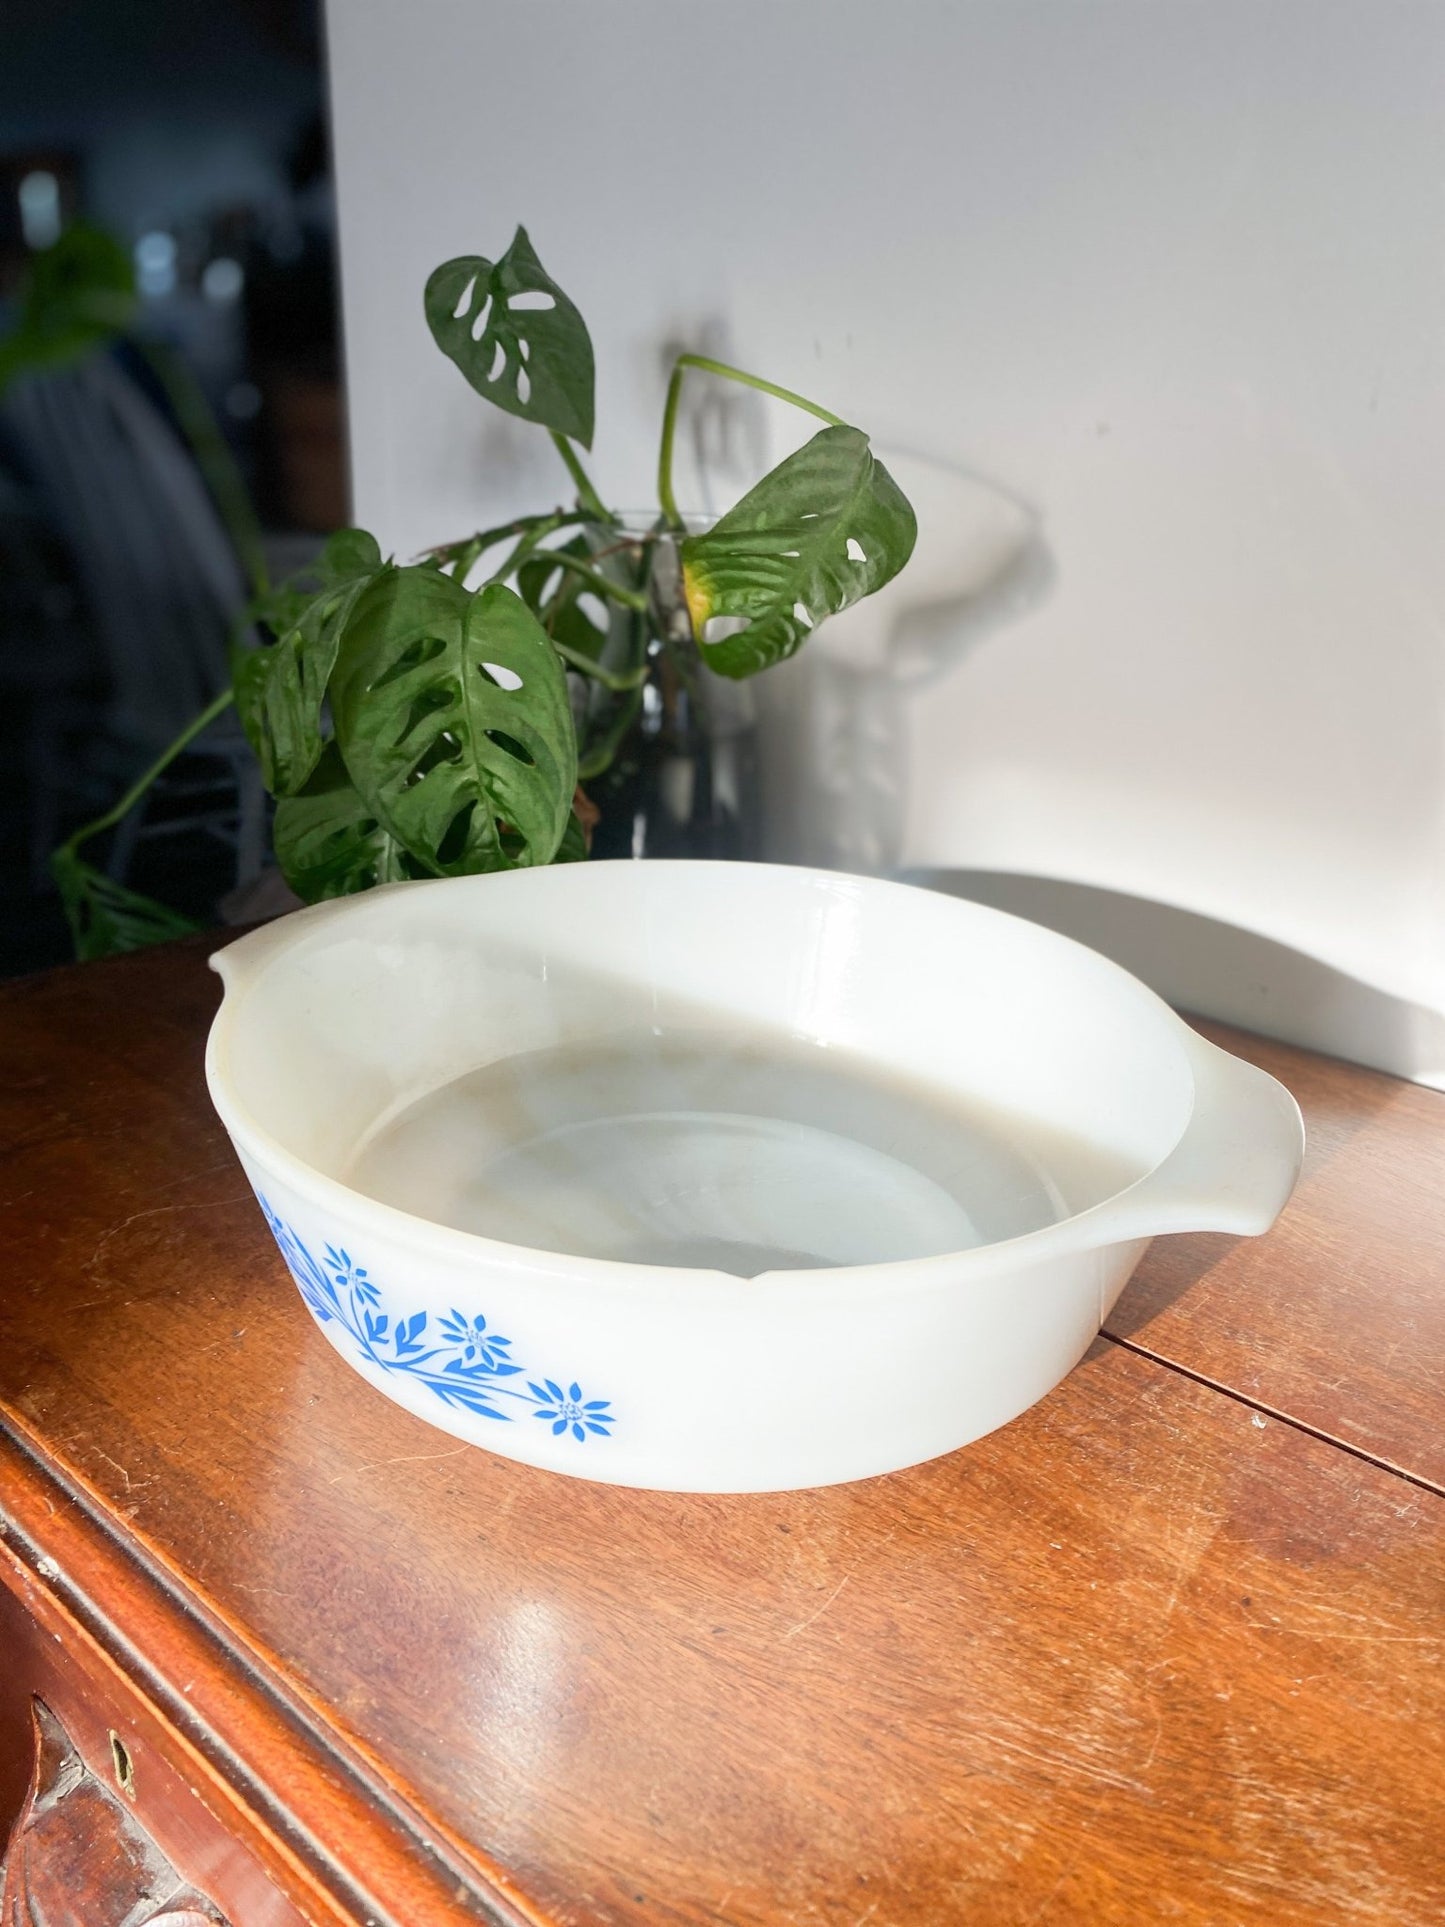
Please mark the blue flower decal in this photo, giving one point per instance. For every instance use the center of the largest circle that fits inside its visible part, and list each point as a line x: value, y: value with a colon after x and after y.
x: 462, y: 1360
x: 567, y: 1408
x: 479, y: 1346
x: 351, y: 1277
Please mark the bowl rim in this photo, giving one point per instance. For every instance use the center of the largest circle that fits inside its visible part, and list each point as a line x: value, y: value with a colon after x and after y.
x: 1090, y: 1229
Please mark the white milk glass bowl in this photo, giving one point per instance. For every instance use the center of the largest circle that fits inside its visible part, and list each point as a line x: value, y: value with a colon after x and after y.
x: 719, y: 1177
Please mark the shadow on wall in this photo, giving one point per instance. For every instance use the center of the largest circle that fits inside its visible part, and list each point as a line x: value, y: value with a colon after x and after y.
x: 1219, y: 970
x: 835, y: 743
x: 835, y: 750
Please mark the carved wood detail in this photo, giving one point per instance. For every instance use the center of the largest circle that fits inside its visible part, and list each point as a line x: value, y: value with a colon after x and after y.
x: 77, y: 1858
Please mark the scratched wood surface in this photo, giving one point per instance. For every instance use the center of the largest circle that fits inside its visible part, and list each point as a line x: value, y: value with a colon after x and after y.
x: 1148, y: 1653
x: 1338, y: 1318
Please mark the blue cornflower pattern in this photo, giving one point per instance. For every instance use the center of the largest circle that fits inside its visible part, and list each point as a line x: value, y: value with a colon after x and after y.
x: 460, y: 1359
x: 568, y: 1409
x: 479, y: 1346
x: 349, y: 1276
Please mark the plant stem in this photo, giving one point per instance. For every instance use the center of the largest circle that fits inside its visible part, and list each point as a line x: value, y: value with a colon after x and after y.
x: 604, y: 584
x: 213, y: 457
x: 638, y: 542
x: 527, y: 546
x: 216, y: 707
x: 614, y: 679
x: 708, y: 366
x: 486, y: 539
x: 530, y: 547
x: 587, y: 495
x: 600, y: 756
x: 464, y: 558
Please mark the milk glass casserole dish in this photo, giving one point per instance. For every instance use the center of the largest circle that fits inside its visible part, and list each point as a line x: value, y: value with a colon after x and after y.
x: 719, y: 1177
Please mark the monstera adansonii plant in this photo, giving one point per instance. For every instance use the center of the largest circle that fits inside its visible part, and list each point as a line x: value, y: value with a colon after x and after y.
x: 442, y: 716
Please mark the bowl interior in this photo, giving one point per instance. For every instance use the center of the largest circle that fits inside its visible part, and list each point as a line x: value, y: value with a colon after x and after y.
x: 735, y: 1067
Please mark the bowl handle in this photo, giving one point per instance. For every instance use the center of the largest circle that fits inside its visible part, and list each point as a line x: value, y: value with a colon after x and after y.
x: 1236, y: 1164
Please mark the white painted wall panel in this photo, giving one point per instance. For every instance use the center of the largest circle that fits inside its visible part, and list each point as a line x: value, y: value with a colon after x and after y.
x: 1170, y: 275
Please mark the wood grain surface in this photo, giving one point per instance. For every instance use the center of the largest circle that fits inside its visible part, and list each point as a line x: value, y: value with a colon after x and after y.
x: 1148, y: 1653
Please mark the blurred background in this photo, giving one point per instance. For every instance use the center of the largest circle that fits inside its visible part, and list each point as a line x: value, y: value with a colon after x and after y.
x: 1143, y: 305
x: 195, y: 138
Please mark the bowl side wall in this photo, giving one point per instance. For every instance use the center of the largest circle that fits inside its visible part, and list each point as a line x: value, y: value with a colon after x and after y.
x: 374, y: 1007
x: 705, y: 1391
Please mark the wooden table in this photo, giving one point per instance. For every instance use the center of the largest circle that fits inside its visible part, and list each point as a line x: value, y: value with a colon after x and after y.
x: 1166, y: 1648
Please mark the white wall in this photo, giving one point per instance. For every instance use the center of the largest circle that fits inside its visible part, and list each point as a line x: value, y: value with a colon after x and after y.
x: 1169, y: 274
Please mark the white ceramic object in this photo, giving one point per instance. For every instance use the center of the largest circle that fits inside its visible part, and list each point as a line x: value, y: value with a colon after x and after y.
x: 940, y: 1073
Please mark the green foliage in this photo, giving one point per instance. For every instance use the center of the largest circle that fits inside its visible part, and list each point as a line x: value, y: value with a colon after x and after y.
x: 606, y: 725
x: 329, y: 843
x: 825, y: 528
x: 552, y: 591
x: 573, y: 847
x: 453, y: 719
x: 410, y: 725
x: 105, y: 918
x: 78, y: 294
x: 348, y: 555
x: 281, y: 688
x: 516, y: 337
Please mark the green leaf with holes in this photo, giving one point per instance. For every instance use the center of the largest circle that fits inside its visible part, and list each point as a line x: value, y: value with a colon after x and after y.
x: 281, y: 687
x: 822, y: 530
x: 452, y: 717
x: 516, y: 337
x: 329, y: 843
